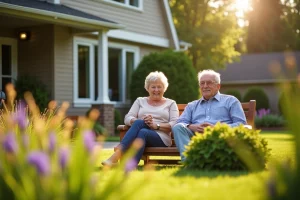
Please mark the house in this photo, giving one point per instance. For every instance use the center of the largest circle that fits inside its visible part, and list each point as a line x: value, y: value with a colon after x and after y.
x: 258, y: 70
x: 83, y: 50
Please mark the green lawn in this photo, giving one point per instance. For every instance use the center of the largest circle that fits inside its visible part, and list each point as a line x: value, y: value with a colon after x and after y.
x: 173, y: 182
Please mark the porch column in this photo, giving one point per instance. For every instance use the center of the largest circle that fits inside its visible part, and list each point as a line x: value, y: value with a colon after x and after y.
x: 103, y: 103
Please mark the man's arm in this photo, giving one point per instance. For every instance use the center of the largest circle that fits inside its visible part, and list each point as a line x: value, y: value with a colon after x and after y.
x: 186, y: 117
x: 237, y: 114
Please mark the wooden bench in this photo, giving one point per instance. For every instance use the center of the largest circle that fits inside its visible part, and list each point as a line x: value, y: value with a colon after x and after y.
x: 249, y: 110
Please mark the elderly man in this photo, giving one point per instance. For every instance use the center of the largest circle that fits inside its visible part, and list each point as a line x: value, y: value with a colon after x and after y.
x: 211, y: 108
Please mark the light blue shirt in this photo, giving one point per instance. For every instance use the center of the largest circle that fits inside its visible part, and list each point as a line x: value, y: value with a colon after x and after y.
x: 220, y: 108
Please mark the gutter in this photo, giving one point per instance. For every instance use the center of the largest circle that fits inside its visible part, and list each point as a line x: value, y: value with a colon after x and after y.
x: 55, y: 17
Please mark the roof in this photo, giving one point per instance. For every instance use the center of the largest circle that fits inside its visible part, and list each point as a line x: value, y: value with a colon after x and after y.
x: 58, y: 11
x: 257, y: 68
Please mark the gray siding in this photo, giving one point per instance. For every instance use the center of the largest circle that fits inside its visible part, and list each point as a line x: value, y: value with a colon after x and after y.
x: 35, y: 57
x: 151, y: 21
x: 63, y: 86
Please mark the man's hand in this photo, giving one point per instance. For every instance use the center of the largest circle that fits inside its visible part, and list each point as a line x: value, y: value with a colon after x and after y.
x: 199, y: 127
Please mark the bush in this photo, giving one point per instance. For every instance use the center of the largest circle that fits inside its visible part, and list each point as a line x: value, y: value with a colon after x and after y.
x: 97, y: 127
x: 234, y: 93
x: 226, y: 148
x: 258, y: 94
x: 183, y: 83
x: 36, y: 87
x: 265, y: 119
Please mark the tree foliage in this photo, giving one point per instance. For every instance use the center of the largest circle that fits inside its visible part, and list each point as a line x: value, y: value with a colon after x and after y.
x: 210, y: 27
x: 182, y: 78
x: 274, y: 26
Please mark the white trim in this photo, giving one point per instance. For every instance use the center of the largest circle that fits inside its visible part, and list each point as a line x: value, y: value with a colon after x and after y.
x: 171, y: 24
x: 56, y: 17
x: 91, y: 82
x: 139, y: 38
x: 124, y: 5
x: 14, y: 57
x: 92, y: 43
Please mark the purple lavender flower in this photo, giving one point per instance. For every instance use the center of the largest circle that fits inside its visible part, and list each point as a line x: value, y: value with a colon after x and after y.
x: 20, y: 116
x: 89, y: 140
x: 41, y: 162
x: 262, y: 112
x: 131, y: 165
x: 10, y: 144
x: 64, y: 155
x: 52, y: 142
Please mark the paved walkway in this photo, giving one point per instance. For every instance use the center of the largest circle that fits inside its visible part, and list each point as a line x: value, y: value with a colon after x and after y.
x: 110, y: 145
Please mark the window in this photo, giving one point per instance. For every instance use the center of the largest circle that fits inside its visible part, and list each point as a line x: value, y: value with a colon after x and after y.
x: 128, y: 3
x: 122, y: 60
x: 8, y: 59
x: 121, y: 66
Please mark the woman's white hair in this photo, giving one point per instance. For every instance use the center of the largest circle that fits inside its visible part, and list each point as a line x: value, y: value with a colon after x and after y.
x: 154, y: 76
x: 210, y: 72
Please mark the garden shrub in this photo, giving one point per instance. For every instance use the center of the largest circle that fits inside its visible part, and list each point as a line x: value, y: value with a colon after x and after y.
x: 183, y: 83
x: 264, y: 118
x: 226, y: 148
x: 234, y: 93
x: 36, y: 87
x: 258, y: 94
x: 98, y: 128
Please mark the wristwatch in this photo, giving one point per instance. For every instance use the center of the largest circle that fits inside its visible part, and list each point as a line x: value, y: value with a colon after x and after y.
x: 158, y: 126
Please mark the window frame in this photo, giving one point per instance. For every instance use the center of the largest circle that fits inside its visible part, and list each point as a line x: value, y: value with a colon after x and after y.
x: 14, y: 61
x: 126, y: 4
x: 87, y: 102
x: 83, y: 102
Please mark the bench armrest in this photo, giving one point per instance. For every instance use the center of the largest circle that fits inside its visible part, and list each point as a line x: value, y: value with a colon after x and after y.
x: 248, y: 126
x: 122, y: 127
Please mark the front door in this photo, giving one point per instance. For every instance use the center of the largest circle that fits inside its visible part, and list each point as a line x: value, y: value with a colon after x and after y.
x: 8, y: 61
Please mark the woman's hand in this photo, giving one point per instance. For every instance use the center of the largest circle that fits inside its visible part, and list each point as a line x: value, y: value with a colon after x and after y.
x: 148, y: 120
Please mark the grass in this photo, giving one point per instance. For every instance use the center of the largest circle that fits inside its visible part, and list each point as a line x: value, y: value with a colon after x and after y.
x: 174, y: 182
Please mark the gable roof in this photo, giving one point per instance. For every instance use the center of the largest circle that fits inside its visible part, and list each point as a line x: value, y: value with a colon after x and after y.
x: 55, y: 13
x: 257, y: 68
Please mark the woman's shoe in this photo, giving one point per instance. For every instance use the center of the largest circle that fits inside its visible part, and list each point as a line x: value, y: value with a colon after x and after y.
x: 109, y: 163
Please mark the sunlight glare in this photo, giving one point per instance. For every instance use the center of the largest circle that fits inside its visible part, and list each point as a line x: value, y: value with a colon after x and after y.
x: 242, y: 5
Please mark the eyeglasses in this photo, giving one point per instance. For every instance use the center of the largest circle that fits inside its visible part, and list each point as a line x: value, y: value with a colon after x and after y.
x: 208, y: 83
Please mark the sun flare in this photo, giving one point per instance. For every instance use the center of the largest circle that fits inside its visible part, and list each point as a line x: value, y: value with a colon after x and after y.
x: 242, y: 5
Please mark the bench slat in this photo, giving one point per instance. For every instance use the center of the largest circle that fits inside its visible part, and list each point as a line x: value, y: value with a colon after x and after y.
x: 249, y: 110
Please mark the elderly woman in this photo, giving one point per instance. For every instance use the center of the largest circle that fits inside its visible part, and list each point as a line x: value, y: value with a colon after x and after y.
x: 151, y: 119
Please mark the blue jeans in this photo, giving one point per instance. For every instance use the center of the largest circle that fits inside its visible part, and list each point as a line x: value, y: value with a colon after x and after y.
x: 182, y: 137
x: 139, y: 129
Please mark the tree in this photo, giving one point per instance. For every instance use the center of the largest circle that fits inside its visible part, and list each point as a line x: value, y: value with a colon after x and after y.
x: 274, y: 26
x: 211, y: 27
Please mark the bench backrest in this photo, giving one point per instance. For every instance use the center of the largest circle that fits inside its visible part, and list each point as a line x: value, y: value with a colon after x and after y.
x: 248, y: 107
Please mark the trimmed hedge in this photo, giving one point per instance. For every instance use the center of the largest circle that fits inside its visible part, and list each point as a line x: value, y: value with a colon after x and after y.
x: 234, y: 93
x: 183, y: 83
x: 226, y: 148
x: 36, y: 87
x: 258, y: 94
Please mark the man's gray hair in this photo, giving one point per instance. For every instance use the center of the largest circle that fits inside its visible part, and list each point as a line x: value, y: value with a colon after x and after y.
x: 154, y: 76
x: 210, y: 72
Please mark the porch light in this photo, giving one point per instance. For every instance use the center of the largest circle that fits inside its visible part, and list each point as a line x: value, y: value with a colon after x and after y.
x: 24, y: 35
